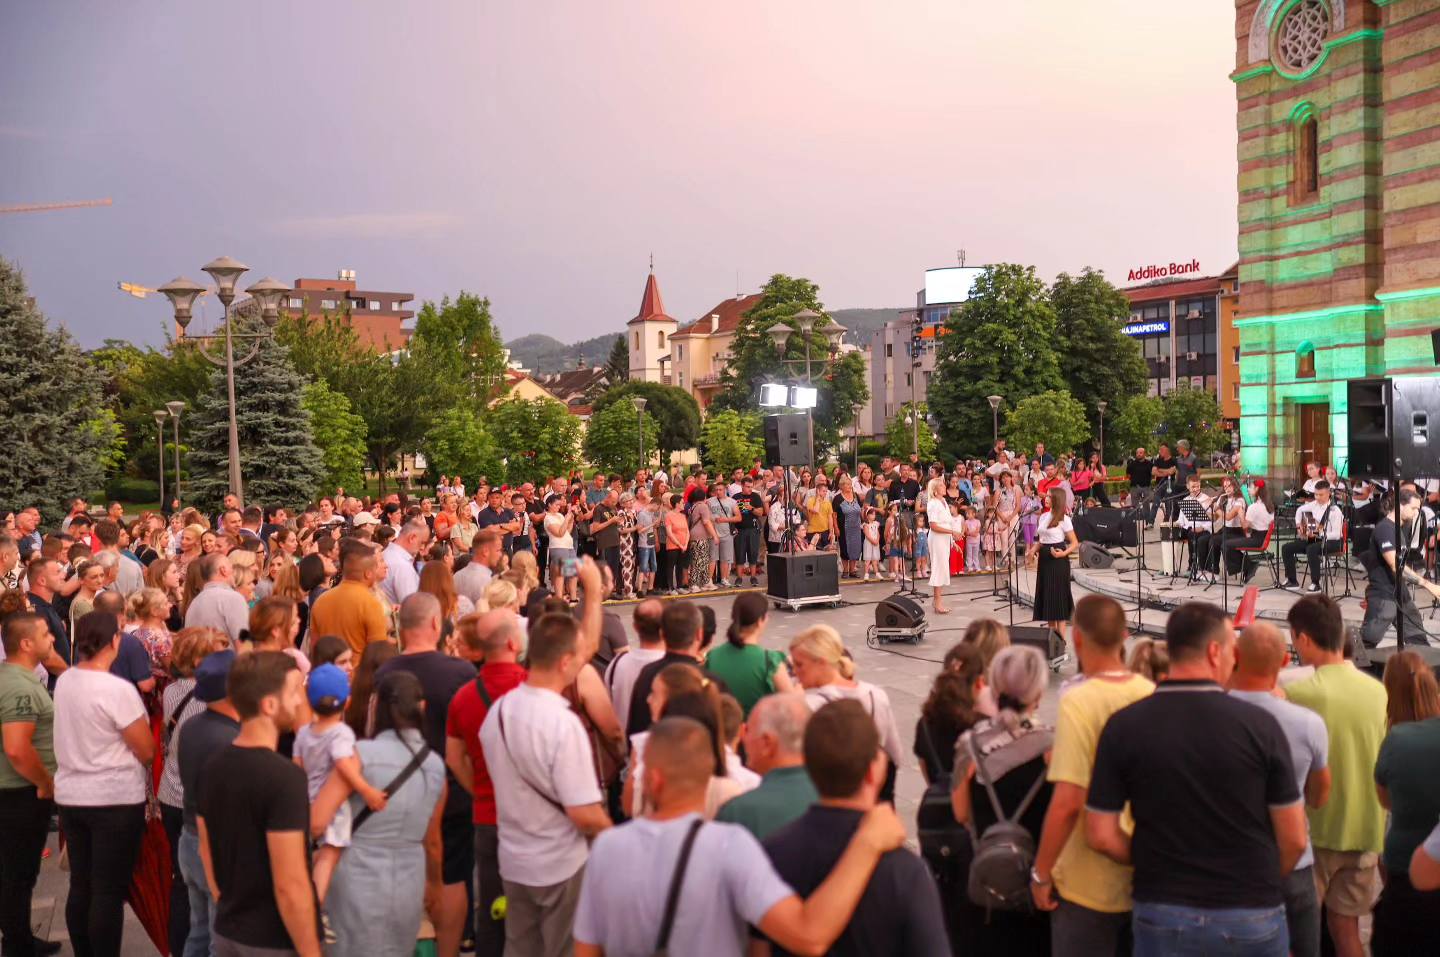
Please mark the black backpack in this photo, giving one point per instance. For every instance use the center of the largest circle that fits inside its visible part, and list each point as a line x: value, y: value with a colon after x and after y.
x: 1005, y: 852
x: 945, y: 843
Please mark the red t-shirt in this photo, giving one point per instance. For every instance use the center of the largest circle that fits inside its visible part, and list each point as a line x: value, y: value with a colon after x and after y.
x: 463, y: 719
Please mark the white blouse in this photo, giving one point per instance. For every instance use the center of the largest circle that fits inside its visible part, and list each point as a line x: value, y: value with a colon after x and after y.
x: 938, y: 514
x: 1054, y: 534
x: 1258, y: 517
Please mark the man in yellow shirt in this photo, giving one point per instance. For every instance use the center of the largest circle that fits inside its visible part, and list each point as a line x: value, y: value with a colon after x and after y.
x: 351, y: 609
x: 1088, y: 893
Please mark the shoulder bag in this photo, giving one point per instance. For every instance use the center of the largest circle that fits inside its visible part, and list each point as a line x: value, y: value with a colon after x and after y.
x: 417, y: 759
x: 672, y: 898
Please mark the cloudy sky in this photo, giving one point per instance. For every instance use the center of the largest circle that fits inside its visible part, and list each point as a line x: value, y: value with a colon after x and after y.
x: 539, y: 152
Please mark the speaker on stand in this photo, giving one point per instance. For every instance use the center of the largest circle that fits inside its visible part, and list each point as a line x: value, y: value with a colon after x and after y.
x: 897, y: 618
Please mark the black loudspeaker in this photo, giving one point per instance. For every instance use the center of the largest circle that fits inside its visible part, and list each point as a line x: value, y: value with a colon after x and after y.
x: 1435, y: 345
x: 803, y: 575
x: 1113, y: 527
x: 1368, y: 427
x: 1040, y: 637
x: 1392, y: 419
x: 1417, y: 413
x: 1094, y: 556
x: 898, y: 611
x: 1379, y: 656
x: 788, y: 439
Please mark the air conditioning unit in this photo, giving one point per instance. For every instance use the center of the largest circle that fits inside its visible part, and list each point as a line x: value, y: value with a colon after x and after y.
x: 1198, y: 381
x: 1192, y: 356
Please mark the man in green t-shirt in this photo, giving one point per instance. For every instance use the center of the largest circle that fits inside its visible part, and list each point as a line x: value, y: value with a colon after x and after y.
x: 1348, y: 831
x: 27, y: 782
x: 774, y: 748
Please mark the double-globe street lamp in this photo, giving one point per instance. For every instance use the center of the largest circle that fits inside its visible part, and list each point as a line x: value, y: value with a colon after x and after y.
x: 266, y: 293
x: 172, y: 410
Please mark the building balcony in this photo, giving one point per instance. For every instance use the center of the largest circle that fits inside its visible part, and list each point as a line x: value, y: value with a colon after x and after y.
x: 707, y: 381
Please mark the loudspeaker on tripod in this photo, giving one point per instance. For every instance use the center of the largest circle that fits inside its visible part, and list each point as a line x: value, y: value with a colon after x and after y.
x: 788, y: 439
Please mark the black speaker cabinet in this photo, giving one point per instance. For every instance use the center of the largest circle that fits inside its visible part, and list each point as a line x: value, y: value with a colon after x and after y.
x: 1394, y: 419
x: 899, y: 611
x: 1095, y: 556
x: 804, y: 578
x: 1368, y: 427
x: 1039, y: 637
x: 1107, y: 526
x: 788, y: 439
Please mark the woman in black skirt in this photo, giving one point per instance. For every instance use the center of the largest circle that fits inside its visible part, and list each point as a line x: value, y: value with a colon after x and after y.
x: 1055, y: 542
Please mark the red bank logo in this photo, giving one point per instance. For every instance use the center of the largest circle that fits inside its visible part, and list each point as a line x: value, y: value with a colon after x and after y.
x: 1161, y: 272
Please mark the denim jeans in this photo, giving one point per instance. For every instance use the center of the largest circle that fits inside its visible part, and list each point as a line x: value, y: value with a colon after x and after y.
x: 1302, y: 912
x: 202, y: 914
x: 1171, y: 930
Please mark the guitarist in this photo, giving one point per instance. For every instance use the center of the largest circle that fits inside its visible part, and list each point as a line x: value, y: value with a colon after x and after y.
x: 1389, y: 553
x: 1319, y: 528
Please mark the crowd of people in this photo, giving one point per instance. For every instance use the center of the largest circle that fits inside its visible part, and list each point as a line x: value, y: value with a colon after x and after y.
x: 371, y: 720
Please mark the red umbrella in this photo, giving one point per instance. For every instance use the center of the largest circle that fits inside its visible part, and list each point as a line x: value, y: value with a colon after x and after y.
x: 149, y: 894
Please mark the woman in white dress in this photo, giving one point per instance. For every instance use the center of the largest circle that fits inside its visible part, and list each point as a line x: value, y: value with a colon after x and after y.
x: 937, y: 512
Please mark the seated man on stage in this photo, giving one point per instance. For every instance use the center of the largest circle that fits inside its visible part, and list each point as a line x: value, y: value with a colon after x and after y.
x: 1194, y: 521
x: 1389, y: 551
x: 1319, y: 527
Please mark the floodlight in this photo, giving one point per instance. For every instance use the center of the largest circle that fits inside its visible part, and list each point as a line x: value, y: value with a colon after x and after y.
x: 804, y: 397
x: 773, y: 395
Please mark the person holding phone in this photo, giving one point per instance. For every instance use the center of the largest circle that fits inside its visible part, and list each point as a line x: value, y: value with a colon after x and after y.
x: 1055, y: 543
x: 559, y: 527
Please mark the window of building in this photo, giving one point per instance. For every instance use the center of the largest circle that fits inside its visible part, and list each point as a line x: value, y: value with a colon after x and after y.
x: 662, y: 338
x: 889, y: 349
x: 927, y: 375
x: 679, y: 352
x: 1235, y: 355
x: 296, y: 303
x: 1305, y: 361
x: 375, y: 304
x: 636, y: 347
x: 681, y: 379
x: 1235, y: 391
x: 1300, y: 40
x: 909, y: 380
x: 1305, y: 172
x: 327, y: 303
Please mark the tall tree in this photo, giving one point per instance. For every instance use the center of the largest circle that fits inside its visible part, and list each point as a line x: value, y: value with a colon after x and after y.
x: 278, y: 457
x: 617, y: 367
x: 327, y: 348
x: 339, y: 434
x: 136, y: 382
x: 903, y: 434
x: 1055, y: 418
x: 540, y: 437
x: 1000, y: 342
x: 675, y: 412
x: 48, y: 403
x: 459, y: 443
x: 730, y: 440
x: 458, y: 344
x: 754, y: 358
x: 613, y: 438
x: 1099, y: 362
x: 1193, y: 414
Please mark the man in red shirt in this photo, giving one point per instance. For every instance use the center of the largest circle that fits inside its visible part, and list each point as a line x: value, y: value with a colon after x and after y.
x: 499, y: 637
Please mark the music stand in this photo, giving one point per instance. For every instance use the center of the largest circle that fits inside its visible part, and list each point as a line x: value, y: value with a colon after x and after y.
x: 1196, y: 514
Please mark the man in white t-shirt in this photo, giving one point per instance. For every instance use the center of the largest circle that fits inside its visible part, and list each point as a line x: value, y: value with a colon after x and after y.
x: 625, y: 668
x: 401, y: 578
x: 728, y: 882
x: 546, y: 797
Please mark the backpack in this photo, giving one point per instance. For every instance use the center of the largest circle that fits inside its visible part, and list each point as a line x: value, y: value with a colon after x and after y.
x: 1004, y: 853
x: 944, y: 841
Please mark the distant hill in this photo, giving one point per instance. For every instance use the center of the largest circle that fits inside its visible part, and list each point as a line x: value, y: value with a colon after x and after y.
x: 541, y: 353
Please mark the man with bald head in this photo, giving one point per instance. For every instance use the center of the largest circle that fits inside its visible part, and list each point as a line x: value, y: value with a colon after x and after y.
x: 774, y: 749
x: 498, y: 639
x: 441, y: 676
x: 625, y: 668
x: 1260, y: 653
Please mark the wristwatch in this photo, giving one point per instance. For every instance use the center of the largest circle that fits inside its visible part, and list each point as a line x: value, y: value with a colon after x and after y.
x: 1035, y: 879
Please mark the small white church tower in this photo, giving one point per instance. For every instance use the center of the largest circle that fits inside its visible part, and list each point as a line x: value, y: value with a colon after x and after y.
x: 650, y: 333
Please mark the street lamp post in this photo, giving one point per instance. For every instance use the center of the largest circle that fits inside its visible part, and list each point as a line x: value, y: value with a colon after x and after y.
x: 994, y: 401
x: 267, y: 292
x: 175, y: 408
x: 1101, y: 405
x: 160, y: 416
x: 640, y: 402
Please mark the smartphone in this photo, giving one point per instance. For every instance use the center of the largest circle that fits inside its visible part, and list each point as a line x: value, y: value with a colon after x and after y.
x: 567, y: 567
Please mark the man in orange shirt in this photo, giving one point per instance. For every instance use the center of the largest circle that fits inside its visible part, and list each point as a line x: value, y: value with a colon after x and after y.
x: 351, y: 609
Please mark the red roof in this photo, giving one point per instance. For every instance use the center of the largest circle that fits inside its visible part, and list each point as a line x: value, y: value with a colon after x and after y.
x: 652, y: 308
x: 729, y: 310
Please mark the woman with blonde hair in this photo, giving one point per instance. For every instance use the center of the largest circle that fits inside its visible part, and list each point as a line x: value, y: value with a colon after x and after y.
x: 148, y: 611
x: 502, y: 594
x: 462, y: 532
x: 274, y: 623
x: 524, y: 561
x: 827, y: 673
x: 164, y: 574
x: 943, y: 527
x: 243, y: 581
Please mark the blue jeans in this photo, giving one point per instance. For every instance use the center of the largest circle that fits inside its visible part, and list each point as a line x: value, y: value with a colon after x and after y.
x: 202, y: 913
x: 1170, y: 930
x: 644, y: 560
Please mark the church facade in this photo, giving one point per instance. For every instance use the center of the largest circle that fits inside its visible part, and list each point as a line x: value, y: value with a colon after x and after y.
x: 1338, y: 115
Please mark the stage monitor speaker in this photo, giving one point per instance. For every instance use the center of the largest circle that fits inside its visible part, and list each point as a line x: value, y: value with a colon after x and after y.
x: 1095, y: 556
x: 1106, y: 526
x: 1039, y: 637
x: 899, y: 611
x: 803, y: 575
x: 1378, y: 657
x: 788, y: 439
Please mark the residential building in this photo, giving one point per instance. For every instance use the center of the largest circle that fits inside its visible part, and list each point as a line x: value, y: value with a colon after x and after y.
x: 519, y: 384
x: 377, y: 317
x: 576, y: 387
x: 1183, y: 325
x: 699, y: 351
x: 649, y: 334
x: 1339, y: 214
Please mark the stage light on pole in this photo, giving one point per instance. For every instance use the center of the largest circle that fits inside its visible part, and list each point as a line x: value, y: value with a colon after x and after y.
x: 773, y: 395
x: 804, y: 397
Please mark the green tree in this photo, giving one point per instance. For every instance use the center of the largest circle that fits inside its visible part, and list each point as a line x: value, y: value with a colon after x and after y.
x: 460, y: 443
x: 136, y: 382
x: 730, y: 440
x: 1055, y: 418
x: 675, y: 411
x: 279, y: 460
x: 1099, y: 362
x: 104, y: 430
x: 617, y: 367
x: 48, y: 404
x: 540, y: 436
x: 459, y: 346
x: 327, y: 349
x: 1193, y: 414
x: 612, y: 438
x: 339, y: 434
x: 901, y: 434
x: 1001, y: 342
x: 396, y: 400
x: 1137, y: 425
x: 754, y: 358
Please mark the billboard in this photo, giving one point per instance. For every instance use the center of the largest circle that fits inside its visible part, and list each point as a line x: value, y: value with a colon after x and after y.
x: 950, y: 284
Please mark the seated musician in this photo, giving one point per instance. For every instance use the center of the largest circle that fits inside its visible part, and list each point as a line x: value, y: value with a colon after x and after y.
x: 1193, y: 519
x: 1313, y: 476
x: 1319, y: 527
x: 1229, y: 509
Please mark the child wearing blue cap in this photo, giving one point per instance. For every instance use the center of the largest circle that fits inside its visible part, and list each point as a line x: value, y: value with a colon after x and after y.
x: 327, y: 745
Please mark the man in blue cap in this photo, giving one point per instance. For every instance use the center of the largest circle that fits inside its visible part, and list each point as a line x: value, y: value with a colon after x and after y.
x: 202, y: 736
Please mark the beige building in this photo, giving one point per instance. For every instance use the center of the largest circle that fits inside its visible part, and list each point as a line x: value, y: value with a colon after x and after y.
x: 699, y: 351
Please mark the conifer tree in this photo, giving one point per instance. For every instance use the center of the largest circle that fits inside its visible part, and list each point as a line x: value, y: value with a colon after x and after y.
x: 49, y: 406
x: 279, y: 460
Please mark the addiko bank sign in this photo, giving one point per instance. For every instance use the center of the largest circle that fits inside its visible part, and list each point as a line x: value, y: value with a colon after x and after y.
x: 1192, y: 268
